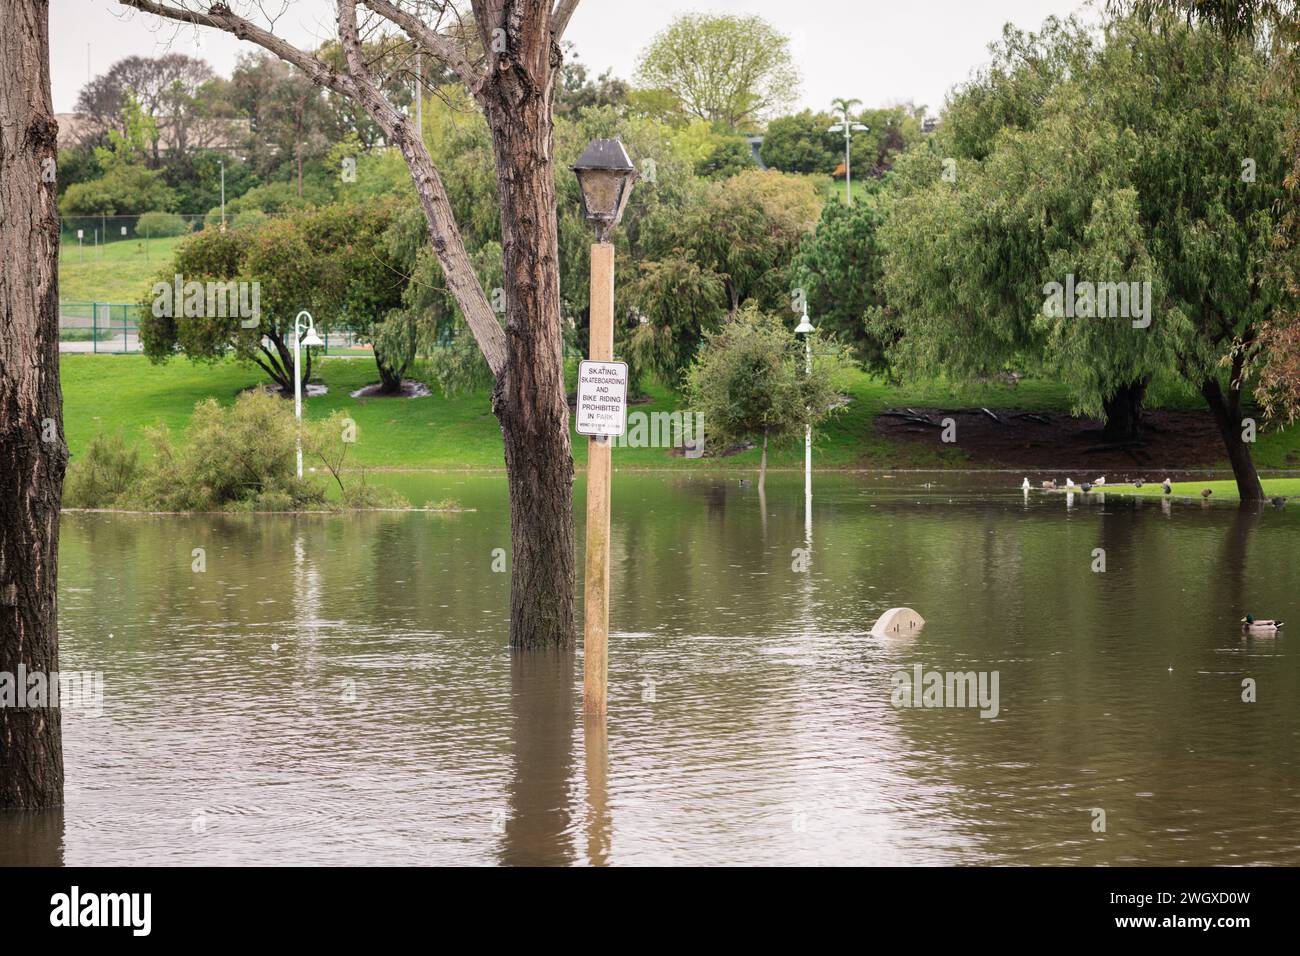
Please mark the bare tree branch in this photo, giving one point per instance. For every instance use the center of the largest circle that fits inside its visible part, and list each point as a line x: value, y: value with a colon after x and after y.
x: 560, y: 17
x: 437, y: 45
x: 221, y: 18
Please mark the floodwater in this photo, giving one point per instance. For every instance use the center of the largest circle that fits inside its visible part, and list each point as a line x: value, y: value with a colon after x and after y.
x: 338, y: 689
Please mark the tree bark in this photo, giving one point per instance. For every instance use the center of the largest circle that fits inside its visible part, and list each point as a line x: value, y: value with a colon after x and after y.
x: 1124, y: 413
x: 32, y: 450
x: 1226, y: 407
x: 529, y: 399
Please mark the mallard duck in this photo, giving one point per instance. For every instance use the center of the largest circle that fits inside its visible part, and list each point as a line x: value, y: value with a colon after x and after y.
x: 1206, y: 492
x: 1279, y: 501
x: 1086, y: 486
x: 1251, y: 626
x: 1168, y: 486
x: 1050, y: 484
x: 1139, y: 483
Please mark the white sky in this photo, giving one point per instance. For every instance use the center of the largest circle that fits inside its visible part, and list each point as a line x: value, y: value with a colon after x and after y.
x: 880, y: 51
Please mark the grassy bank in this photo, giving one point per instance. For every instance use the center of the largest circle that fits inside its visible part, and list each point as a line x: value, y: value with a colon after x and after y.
x: 127, y: 392
x: 1222, y: 490
x: 118, y: 272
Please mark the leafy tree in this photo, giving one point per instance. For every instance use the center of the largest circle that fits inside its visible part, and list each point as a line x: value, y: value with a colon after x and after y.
x: 801, y: 144
x: 729, y: 70
x: 751, y: 384
x: 1150, y: 189
x: 840, y: 267
x: 729, y: 155
x: 123, y: 190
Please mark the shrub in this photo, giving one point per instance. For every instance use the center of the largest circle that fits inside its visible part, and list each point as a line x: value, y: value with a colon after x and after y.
x: 158, y: 225
x: 105, y: 473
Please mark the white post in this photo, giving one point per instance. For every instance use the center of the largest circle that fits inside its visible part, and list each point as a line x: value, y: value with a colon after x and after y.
x: 807, y: 450
x: 297, y: 388
x: 223, y: 193
x: 848, y: 162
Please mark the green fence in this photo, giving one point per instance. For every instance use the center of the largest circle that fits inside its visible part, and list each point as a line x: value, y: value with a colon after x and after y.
x: 109, y: 327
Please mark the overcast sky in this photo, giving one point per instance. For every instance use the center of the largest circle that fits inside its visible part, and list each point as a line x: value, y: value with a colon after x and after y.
x: 880, y: 51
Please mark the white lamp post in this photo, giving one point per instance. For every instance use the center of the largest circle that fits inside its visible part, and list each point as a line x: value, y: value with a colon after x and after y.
x: 848, y: 129
x: 805, y: 328
x: 298, y: 342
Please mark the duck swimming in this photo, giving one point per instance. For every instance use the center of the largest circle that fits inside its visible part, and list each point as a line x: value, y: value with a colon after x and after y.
x: 1249, y: 625
x: 1168, y: 486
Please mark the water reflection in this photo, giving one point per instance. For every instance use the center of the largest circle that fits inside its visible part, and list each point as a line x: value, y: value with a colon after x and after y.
x: 337, y: 689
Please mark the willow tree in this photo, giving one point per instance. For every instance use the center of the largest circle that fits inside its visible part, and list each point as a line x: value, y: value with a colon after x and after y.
x: 507, y: 55
x: 32, y: 451
x: 1156, y: 164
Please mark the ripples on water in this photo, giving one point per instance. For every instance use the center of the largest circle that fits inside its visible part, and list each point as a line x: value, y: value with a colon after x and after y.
x: 337, y: 689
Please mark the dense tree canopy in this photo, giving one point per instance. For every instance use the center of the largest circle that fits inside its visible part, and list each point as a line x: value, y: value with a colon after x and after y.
x: 1106, y: 165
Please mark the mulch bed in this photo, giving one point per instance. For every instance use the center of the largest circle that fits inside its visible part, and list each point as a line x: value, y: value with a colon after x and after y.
x: 1007, y: 438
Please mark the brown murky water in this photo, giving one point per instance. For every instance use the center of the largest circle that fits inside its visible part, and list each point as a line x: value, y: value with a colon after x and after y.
x: 338, y: 689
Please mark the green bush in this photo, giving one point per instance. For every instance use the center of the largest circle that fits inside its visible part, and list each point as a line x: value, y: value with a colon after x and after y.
x: 161, y: 225
x: 233, y: 458
x: 104, y: 474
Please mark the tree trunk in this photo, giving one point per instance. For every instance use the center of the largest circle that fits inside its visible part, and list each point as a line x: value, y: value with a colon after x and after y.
x: 762, y: 466
x: 390, y: 379
x: 1124, y: 413
x: 1227, y: 415
x: 32, y: 451
x: 529, y: 399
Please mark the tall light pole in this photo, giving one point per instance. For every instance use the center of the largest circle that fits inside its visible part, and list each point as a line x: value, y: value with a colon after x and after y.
x: 298, y: 342
x: 605, y: 177
x: 806, y: 329
x: 223, y: 194
x: 848, y: 129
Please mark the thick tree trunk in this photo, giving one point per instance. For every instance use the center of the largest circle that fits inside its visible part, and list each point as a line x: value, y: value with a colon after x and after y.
x: 529, y: 399
x: 1226, y: 408
x: 1124, y: 413
x: 32, y: 451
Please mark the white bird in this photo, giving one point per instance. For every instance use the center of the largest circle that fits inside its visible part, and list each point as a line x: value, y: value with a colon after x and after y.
x: 1099, y: 481
x: 1069, y: 482
x: 1024, y: 486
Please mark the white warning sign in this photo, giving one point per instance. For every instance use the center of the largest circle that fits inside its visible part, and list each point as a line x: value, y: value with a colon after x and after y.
x: 602, y: 398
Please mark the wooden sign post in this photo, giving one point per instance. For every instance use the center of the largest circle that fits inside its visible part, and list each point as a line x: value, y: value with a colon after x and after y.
x: 601, y: 414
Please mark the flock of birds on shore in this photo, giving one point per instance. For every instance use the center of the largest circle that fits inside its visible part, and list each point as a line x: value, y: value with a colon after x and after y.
x: 1278, y: 501
x: 1249, y: 624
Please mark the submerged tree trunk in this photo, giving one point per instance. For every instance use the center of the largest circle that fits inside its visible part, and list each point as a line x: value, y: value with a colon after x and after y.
x: 1226, y: 407
x: 529, y: 399
x: 32, y: 451
x: 1124, y: 412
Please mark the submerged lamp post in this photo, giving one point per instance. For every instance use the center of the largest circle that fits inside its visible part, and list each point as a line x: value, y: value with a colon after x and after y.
x: 805, y: 328
x: 605, y: 177
x: 299, y: 340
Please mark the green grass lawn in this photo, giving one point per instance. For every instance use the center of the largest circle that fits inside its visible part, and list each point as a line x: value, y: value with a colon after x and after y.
x: 119, y: 272
x: 128, y: 392
x: 1223, y: 490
